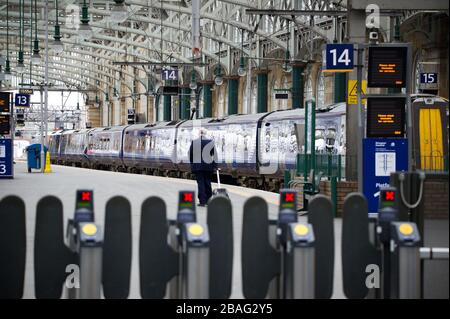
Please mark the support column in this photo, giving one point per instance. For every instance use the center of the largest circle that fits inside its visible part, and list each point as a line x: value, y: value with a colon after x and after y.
x: 340, y: 87
x: 261, y: 79
x: 298, y: 86
x: 207, y: 99
x: 157, y: 101
x: 233, y: 85
x: 185, y: 103
x: 356, y: 29
x: 167, y: 108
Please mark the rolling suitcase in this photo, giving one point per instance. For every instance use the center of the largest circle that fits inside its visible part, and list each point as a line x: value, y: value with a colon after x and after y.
x: 219, y: 190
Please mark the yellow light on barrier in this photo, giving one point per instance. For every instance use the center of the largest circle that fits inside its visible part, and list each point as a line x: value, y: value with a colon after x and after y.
x: 89, y: 229
x: 406, y: 229
x: 196, y: 229
x: 301, y: 230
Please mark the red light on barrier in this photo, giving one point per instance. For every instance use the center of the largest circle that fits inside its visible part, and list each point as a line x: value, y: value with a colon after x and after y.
x: 187, y: 197
x: 86, y: 196
x: 389, y: 196
x: 289, y: 197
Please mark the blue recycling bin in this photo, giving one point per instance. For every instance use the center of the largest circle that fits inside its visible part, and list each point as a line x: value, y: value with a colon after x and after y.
x: 34, y: 156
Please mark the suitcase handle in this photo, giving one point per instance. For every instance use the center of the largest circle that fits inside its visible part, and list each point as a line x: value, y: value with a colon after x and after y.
x: 218, y: 177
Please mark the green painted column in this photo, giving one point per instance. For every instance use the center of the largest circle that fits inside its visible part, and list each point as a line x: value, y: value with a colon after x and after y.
x: 233, y: 85
x: 167, y: 107
x: 262, y: 92
x: 340, y: 87
x: 298, y: 85
x: 157, y: 101
x: 185, y: 103
x: 207, y: 100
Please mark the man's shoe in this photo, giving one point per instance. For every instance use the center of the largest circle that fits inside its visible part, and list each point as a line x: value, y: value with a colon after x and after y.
x: 201, y: 205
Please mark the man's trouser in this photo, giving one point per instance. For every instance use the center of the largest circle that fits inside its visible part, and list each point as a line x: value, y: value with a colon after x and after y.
x: 204, y: 186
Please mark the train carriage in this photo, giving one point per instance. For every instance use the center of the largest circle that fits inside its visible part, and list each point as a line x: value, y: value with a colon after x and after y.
x: 104, y: 148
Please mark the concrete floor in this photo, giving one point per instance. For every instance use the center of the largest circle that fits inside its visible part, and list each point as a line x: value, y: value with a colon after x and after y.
x: 64, y: 181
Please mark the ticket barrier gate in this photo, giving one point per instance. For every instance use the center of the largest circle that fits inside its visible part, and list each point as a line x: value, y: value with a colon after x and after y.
x: 192, y: 259
x: 13, y: 241
x: 385, y: 264
x: 285, y: 258
x: 88, y: 261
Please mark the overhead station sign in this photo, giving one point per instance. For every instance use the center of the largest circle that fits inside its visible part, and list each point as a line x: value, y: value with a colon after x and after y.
x: 338, y: 58
x: 5, y: 126
x: 385, y: 117
x: 387, y: 67
x: 4, y: 102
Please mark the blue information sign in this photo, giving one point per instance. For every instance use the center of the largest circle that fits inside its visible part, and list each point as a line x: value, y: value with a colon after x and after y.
x: 382, y: 156
x: 6, y: 158
x: 339, y: 57
x: 22, y: 100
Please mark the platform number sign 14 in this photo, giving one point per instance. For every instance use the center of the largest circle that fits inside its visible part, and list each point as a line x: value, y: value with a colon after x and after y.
x: 169, y: 75
x: 338, y: 58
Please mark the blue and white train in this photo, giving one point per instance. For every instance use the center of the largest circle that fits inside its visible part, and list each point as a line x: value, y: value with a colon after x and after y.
x: 253, y: 150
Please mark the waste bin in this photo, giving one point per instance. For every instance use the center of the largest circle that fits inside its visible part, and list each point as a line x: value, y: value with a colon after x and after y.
x: 34, y: 156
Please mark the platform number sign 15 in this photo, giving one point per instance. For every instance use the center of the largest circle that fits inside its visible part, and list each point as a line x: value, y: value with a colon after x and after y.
x: 428, y: 78
x: 338, y: 58
x: 169, y: 75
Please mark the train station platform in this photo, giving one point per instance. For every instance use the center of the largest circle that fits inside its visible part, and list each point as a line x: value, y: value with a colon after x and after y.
x: 64, y: 181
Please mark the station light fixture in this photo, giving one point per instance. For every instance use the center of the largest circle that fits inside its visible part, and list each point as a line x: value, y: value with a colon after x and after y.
x: 20, y: 67
x: 193, y: 83
x: 8, y: 76
x: 85, y: 30
x: 242, y: 71
x: 36, y: 57
x: 119, y: 12
x: 57, y: 45
x: 218, y: 80
x: 287, y: 67
x: 7, y: 73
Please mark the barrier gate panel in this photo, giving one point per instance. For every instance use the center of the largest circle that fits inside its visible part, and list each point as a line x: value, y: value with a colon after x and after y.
x: 51, y: 255
x: 12, y: 247
x: 220, y: 226
x: 357, y: 250
x: 117, y: 249
x: 320, y: 216
x: 260, y: 261
x: 158, y: 262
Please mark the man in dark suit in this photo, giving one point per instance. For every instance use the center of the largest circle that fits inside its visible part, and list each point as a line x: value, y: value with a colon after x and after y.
x: 202, y: 157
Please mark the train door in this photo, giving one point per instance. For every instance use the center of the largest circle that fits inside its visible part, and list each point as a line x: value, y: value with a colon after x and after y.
x: 430, y: 140
x: 431, y: 143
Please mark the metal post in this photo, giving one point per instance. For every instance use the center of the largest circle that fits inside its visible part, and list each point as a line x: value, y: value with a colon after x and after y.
x: 196, y: 248
x: 408, y: 106
x: 360, y: 133
x: 44, y: 112
x: 90, y: 253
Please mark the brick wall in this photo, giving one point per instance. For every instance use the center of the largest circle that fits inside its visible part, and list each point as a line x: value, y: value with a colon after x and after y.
x: 436, y: 199
x: 436, y: 196
x: 343, y: 188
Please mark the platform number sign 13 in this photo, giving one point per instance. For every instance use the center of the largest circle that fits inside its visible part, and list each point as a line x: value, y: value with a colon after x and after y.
x: 169, y: 75
x: 338, y: 58
x: 22, y: 100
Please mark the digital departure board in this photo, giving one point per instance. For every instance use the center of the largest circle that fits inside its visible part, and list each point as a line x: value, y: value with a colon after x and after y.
x: 385, y: 117
x: 4, y: 102
x: 5, y: 126
x: 387, y: 67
